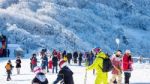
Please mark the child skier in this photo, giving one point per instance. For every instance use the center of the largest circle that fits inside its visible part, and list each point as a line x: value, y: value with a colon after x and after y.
x: 9, y: 68
x: 65, y: 74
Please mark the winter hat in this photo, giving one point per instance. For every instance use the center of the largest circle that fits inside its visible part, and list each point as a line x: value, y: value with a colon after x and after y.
x: 37, y: 70
x: 62, y: 63
x: 97, y: 50
x: 127, y: 51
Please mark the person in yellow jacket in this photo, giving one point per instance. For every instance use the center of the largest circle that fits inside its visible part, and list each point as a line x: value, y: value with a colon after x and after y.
x: 102, y: 77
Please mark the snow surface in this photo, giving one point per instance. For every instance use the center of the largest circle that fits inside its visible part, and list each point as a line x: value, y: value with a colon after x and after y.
x: 140, y: 75
x: 77, y: 24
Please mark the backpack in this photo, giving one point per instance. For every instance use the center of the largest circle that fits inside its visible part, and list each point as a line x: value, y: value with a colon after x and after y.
x: 107, y: 65
x: 8, y: 67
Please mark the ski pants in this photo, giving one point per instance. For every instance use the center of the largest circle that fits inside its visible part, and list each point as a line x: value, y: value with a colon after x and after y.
x: 101, y: 79
x: 18, y: 70
x: 127, y: 77
x: 8, y: 74
x: 114, y: 77
x: 54, y: 67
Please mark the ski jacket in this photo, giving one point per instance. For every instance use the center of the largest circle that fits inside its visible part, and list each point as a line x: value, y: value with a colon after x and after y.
x: 50, y: 64
x: 66, y: 75
x: 18, y: 63
x: 116, y: 62
x: 34, y: 61
x: 127, y: 63
x: 55, y: 61
x: 102, y: 77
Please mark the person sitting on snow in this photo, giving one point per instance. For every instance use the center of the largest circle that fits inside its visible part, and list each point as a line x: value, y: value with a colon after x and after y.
x: 40, y: 77
x: 65, y: 74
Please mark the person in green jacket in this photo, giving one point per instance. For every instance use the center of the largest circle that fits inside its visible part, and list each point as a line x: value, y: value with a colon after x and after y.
x: 102, y: 77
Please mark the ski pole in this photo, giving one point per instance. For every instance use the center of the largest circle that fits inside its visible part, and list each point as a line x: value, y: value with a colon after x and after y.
x: 85, y: 78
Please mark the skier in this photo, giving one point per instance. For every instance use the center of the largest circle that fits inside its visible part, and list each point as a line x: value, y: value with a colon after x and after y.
x: 102, y: 77
x: 117, y: 71
x: 33, y: 61
x: 55, y: 63
x: 127, y: 65
x: 18, y: 64
x: 9, y: 68
x: 65, y: 75
x: 40, y: 77
x: 80, y: 58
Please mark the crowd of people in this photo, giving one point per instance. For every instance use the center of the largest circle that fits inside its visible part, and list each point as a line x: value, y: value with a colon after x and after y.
x: 121, y: 64
x: 57, y: 62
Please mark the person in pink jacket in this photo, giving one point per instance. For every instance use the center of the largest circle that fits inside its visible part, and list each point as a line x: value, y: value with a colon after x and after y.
x: 116, y: 71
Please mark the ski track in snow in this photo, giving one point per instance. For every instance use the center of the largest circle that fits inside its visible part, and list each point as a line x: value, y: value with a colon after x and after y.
x: 140, y: 75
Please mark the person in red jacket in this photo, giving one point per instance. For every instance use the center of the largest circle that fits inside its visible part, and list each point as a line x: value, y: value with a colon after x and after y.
x: 127, y: 65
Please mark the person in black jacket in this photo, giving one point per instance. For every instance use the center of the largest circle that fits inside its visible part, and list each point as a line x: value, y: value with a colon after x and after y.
x: 75, y: 56
x: 80, y: 58
x: 65, y: 75
x: 69, y: 56
x: 55, y: 63
x: 40, y: 78
x: 18, y: 64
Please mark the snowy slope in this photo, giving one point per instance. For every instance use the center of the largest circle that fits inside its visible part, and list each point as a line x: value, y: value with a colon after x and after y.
x: 140, y: 75
x: 77, y: 24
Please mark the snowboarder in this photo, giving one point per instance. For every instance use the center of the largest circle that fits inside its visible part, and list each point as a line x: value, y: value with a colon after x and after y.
x: 18, y: 64
x: 55, y: 63
x: 9, y: 68
x: 127, y: 65
x: 65, y: 75
x: 116, y: 71
x: 40, y: 77
x: 33, y: 61
x: 102, y: 77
